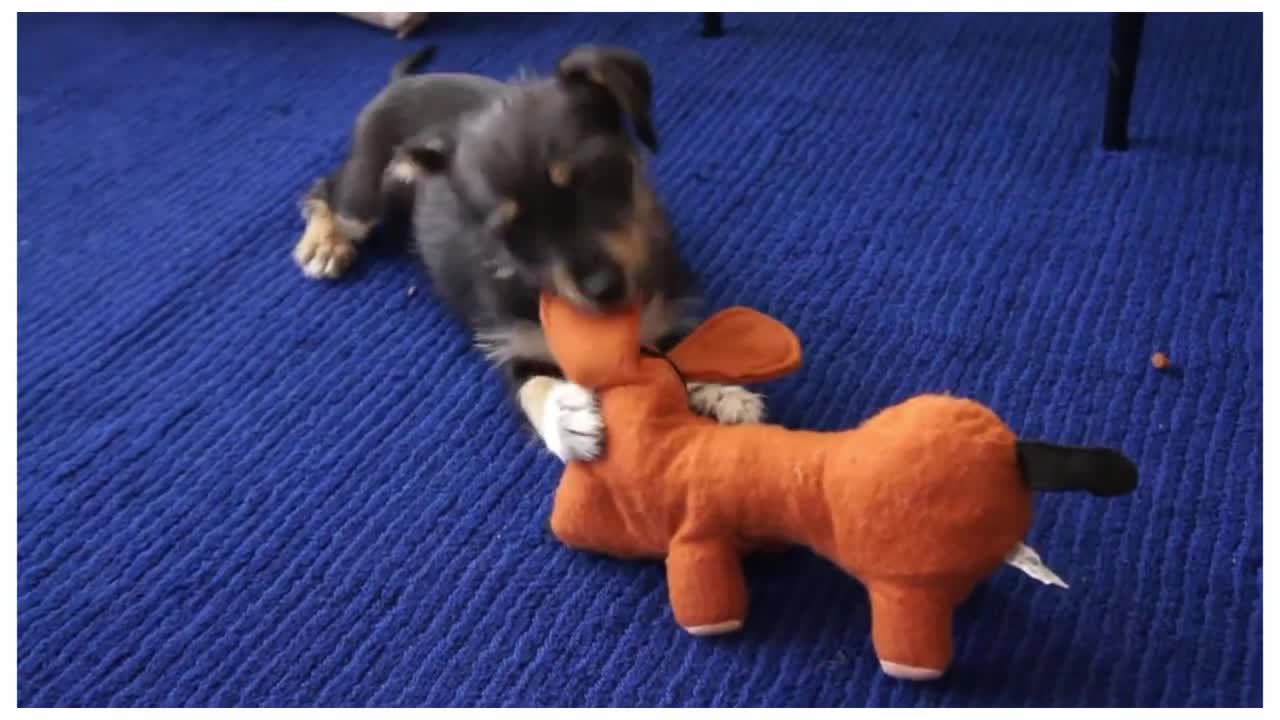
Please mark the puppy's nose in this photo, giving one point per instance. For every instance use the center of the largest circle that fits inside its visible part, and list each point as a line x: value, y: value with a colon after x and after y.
x: 604, y: 286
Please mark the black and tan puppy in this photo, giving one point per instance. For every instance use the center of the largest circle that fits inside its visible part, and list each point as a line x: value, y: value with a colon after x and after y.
x: 516, y: 187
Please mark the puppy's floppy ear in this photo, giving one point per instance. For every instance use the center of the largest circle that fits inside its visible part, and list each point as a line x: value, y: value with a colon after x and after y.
x: 621, y: 73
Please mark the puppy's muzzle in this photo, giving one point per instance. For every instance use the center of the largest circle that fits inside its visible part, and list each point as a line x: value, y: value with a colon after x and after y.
x: 604, y: 286
x: 597, y: 286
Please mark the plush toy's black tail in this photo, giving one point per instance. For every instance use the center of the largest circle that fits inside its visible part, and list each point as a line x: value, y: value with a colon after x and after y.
x: 1055, y: 468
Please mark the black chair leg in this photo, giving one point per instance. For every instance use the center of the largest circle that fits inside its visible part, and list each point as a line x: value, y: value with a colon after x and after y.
x: 1122, y: 67
x: 712, y: 25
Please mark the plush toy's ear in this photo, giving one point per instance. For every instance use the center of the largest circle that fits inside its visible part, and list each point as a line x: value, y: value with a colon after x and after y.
x: 593, y: 349
x: 738, y: 345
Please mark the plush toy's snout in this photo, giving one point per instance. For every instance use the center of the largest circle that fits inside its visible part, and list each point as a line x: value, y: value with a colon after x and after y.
x: 736, y: 345
x: 595, y: 350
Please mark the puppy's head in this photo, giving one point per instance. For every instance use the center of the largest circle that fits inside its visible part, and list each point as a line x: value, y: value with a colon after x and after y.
x: 559, y: 182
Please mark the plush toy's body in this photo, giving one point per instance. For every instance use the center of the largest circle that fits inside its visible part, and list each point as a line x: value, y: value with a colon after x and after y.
x: 920, y: 502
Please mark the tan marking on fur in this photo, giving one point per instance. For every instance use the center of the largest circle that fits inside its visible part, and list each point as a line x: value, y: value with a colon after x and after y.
x: 631, y: 246
x: 565, y: 287
x: 560, y: 173
x: 506, y: 211
x: 324, y: 250
x: 403, y: 170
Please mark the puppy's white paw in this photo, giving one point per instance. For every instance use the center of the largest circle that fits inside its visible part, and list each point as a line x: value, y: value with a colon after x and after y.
x: 571, y: 424
x: 323, y: 251
x: 323, y: 257
x: 728, y: 404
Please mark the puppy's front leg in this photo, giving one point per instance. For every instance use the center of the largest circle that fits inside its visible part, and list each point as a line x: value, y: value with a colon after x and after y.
x: 565, y: 415
x: 328, y: 244
x: 727, y: 404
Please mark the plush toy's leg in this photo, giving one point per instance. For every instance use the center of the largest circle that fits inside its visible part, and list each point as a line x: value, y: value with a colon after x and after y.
x: 708, y: 591
x: 911, y: 631
x: 583, y: 515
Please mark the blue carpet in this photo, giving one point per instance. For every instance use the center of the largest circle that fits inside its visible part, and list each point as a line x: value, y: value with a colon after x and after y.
x: 238, y: 487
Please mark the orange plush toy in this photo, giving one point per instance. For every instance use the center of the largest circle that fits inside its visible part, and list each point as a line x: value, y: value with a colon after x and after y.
x: 920, y: 503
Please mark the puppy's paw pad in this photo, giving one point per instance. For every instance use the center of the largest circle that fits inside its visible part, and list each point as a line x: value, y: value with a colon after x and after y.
x: 728, y: 404
x: 574, y: 429
x: 323, y: 255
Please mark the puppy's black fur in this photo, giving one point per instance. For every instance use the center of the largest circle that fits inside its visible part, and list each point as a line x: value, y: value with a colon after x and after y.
x: 516, y: 187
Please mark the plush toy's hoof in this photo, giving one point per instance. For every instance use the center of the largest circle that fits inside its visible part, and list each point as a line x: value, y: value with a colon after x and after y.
x: 907, y: 672
x: 720, y: 628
